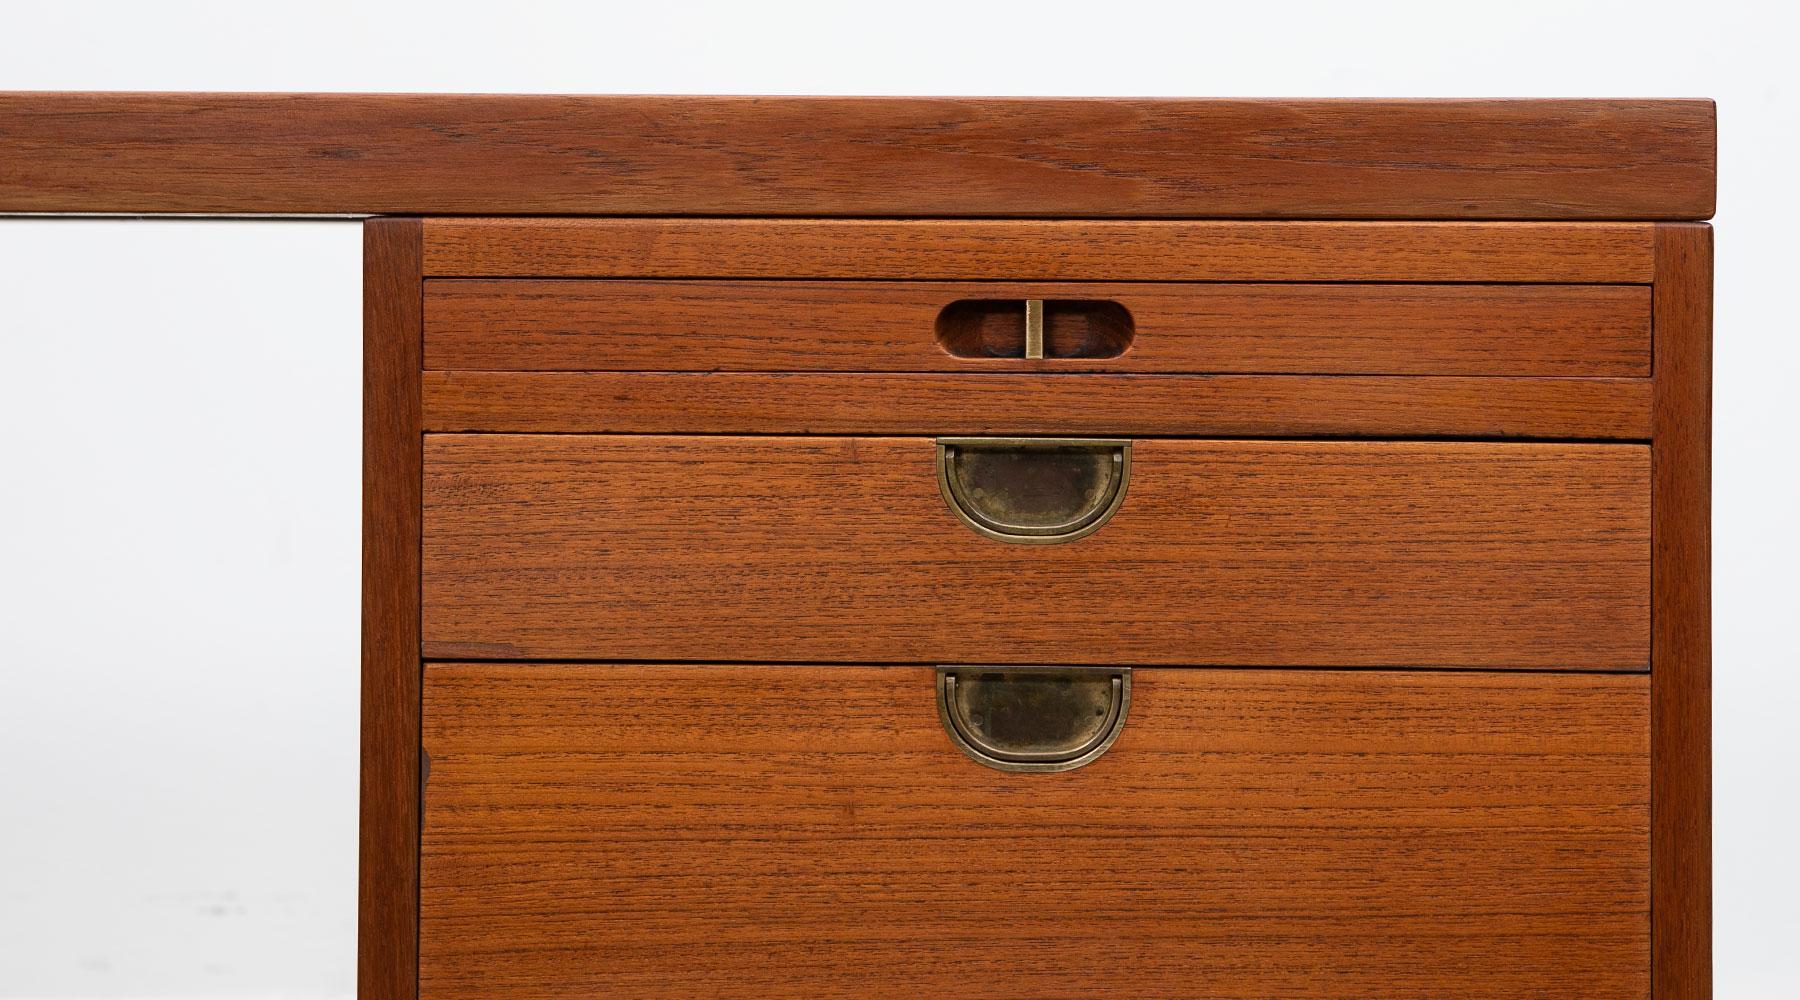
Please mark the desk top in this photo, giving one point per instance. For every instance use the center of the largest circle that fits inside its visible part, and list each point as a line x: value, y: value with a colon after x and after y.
x: 374, y: 154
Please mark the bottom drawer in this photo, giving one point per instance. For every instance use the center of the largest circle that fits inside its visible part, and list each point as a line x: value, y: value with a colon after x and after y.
x: 654, y: 831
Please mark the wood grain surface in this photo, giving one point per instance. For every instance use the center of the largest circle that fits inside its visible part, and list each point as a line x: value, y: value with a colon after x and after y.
x: 625, y: 325
x: 1091, y: 405
x: 1054, y: 250
x: 1224, y: 552
x: 595, y: 155
x: 1681, y: 644
x: 666, y: 831
x: 388, y: 879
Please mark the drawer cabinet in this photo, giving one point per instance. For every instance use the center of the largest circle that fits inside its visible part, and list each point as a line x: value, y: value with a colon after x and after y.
x: 1371, y: 564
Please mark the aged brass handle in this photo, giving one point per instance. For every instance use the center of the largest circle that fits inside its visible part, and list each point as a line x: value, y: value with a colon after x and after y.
x: 1033, y: 718
x: 1033, y: 489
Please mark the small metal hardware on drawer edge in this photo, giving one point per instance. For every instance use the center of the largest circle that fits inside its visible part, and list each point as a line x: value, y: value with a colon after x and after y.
x: 1034, y: 329
x: 1033, y: 490
x: 1033, y: 718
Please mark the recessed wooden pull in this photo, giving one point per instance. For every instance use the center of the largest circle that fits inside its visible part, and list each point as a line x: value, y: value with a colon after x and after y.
x: 1033, y: 718
x: 1034, y: 329
x: 1033, y: 489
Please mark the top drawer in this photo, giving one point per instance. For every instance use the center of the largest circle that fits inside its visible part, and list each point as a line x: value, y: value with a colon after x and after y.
x: 1041, y: 297
x: 1144, y: 327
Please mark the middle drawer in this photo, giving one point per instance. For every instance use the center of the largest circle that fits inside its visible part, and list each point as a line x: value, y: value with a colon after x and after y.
x: 845, y: 549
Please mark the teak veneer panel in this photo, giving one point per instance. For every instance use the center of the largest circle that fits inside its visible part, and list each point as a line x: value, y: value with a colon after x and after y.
x: 1054, y: 250
x: 1224, y: 552
x: 625, y: 325
x: 240, y: 154
x: 1051, y: 405
x: 388, y: 883
x: 666, y: 831
x: 1681, y: 680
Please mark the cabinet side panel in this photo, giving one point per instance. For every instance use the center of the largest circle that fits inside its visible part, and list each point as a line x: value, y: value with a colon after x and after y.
x: 1681, y: 633
x: 388, y: 876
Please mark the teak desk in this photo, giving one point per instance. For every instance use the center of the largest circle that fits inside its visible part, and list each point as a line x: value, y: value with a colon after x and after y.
x: 1036, y: 548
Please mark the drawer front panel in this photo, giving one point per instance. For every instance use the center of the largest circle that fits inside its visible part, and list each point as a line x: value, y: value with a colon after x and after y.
x: 1041, y: 250
x: 1391, y: 406
x: 1223, y: 552
x: 776, y: 831
x: 571, y: 325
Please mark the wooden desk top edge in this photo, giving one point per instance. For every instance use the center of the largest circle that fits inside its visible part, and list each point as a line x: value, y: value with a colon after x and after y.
x: 902, y: 157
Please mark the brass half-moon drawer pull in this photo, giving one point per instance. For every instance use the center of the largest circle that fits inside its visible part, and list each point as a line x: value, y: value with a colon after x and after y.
x: 1033, y: 718
x: 1033, y: 489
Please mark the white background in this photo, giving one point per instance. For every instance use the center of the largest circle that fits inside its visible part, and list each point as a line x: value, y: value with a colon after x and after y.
x: 179, y: 483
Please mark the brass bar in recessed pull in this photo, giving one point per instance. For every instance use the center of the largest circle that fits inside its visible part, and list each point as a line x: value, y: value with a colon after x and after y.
x: 1034, y: 329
